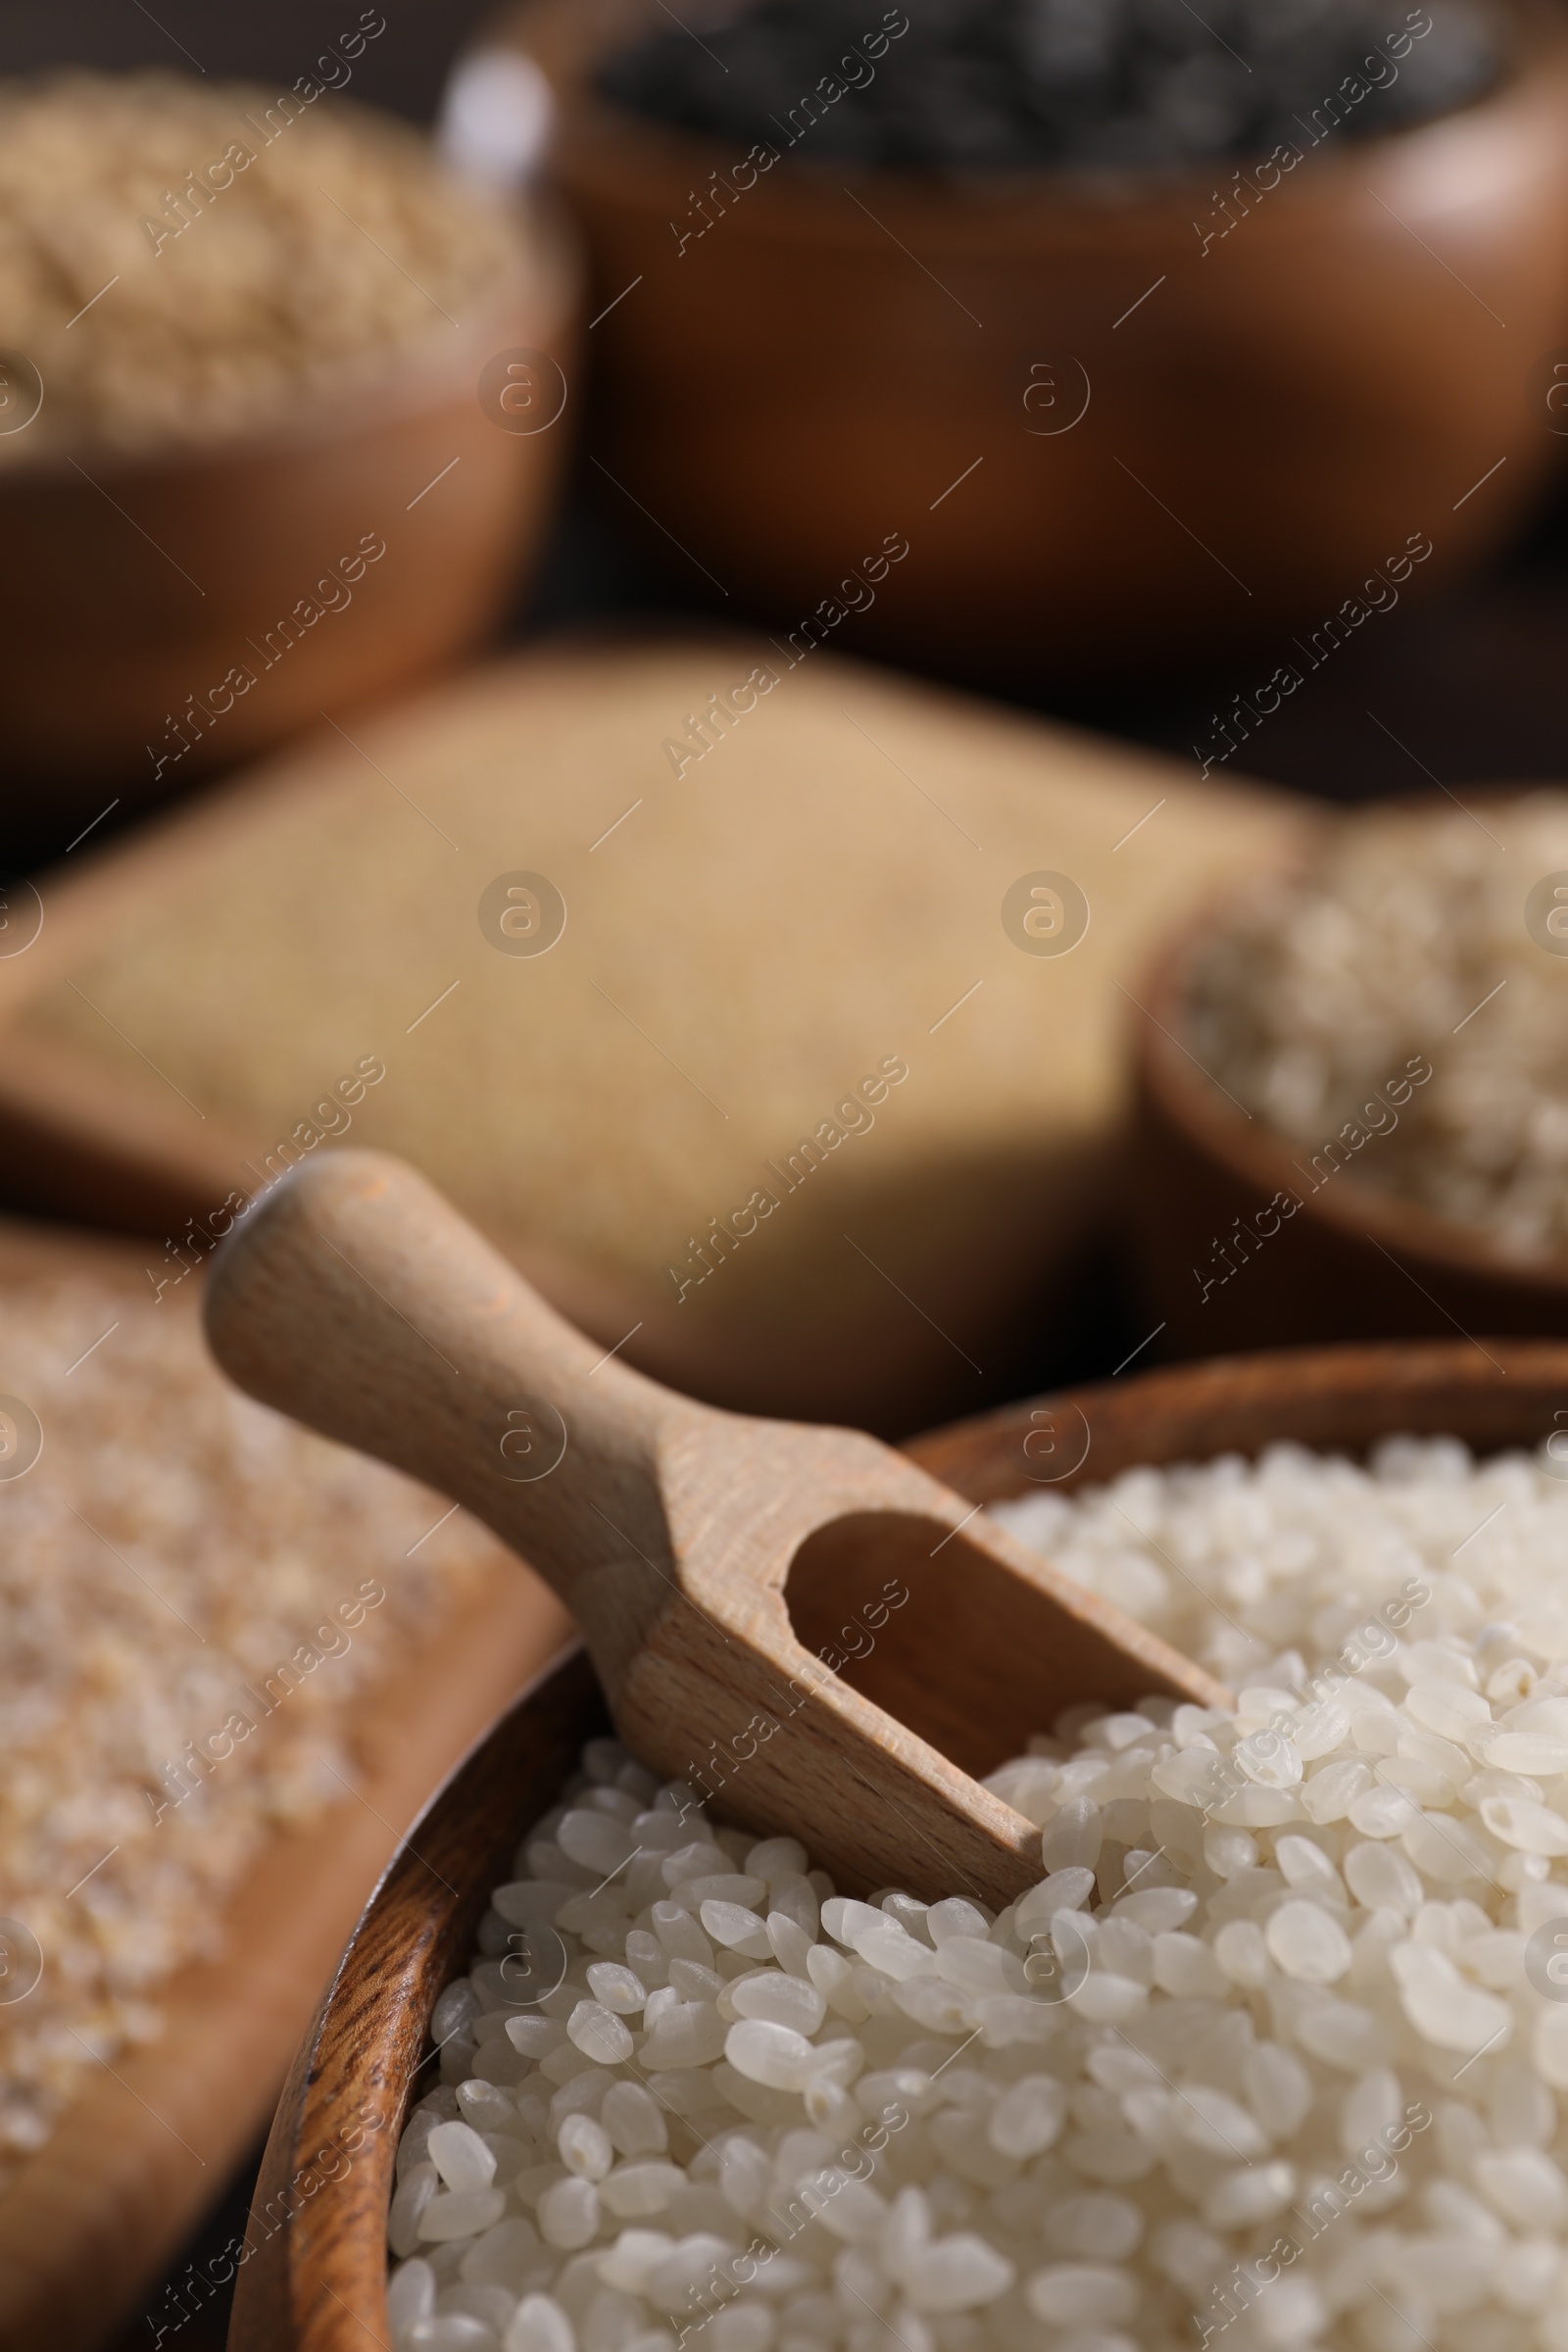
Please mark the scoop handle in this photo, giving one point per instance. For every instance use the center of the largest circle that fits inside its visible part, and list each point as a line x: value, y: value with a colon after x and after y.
x: 355, y: 1299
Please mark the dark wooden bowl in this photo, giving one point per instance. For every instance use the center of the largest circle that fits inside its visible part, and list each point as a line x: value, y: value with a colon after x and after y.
x: 820, y: 368
x: 134, y: 587
x: 317, y: 2282
x: 1350, y: 1262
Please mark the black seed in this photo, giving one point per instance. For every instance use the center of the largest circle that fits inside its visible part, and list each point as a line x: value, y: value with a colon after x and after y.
x: 1000, y: 83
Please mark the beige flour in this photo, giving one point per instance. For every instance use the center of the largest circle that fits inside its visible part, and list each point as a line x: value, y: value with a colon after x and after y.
x: 747, y: 943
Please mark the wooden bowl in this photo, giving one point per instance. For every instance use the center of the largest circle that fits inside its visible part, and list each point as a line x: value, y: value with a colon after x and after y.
x: 851, y: 354
x: 1351, y: 1261
x: 310, y: 2268
x: 139, y: 591
x: 314, y: 2279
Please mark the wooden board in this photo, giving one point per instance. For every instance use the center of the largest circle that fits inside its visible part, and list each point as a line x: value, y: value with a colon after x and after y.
x: 753, y: 929
x: 92, y: 2220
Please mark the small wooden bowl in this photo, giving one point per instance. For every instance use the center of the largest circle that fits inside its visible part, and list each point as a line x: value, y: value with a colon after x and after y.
x: 138, y: 590
x: 847, y: 355
x: 1349, y: 1262
x: 314, y: 2279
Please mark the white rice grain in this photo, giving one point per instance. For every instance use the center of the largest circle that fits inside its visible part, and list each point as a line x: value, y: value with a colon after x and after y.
x: 1259, y: 2057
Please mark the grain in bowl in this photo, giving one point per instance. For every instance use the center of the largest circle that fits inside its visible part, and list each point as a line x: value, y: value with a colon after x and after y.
x: 1272, y: 2052
x: 1415, y: 945
x: 1029, y: 83
x: 227, y: 251
x: 247, y: 357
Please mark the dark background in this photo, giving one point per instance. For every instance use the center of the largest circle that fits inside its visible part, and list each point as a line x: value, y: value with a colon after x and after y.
x: 1470, y: 689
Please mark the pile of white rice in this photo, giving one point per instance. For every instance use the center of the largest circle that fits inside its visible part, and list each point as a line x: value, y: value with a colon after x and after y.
x: 1262, y: 2056
x: 1411, y: 938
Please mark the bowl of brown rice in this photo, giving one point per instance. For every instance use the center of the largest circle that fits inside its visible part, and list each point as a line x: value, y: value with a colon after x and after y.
x: 280, y: 412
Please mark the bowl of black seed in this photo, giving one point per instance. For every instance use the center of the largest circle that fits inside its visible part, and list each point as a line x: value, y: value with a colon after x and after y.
x: 1045, y: 85
x: 1150, y: 329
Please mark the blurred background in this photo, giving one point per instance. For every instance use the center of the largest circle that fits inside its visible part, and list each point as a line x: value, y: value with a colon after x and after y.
x: 1463, y: 682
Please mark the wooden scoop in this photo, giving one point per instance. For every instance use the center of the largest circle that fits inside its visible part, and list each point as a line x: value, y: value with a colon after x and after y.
x: 706, y: 1557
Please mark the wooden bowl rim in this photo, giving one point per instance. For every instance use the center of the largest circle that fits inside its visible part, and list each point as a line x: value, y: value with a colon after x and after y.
x: 1380, y: 1389
x: 343, y: 2075
x: 1253, y: 1153
x: 1388, y: 1387
x: 600, y: 141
